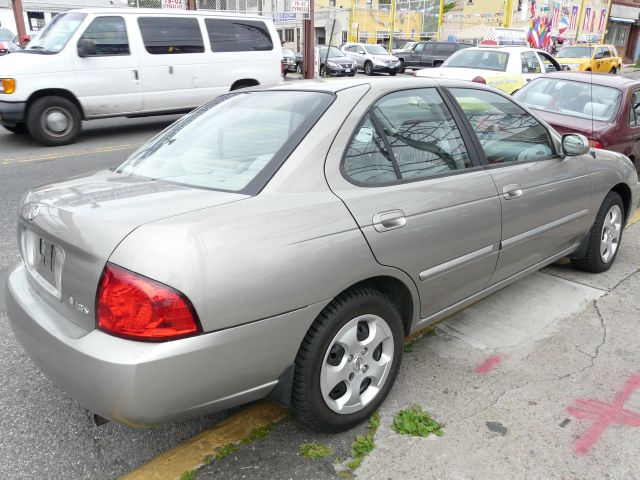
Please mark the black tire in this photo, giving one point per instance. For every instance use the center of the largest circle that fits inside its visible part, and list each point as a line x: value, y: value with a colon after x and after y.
x: 324, y: 72
x: 437, y: 64
x: 308, y: 403
x: 299, y: 69
x: 587, y: 70
x: 284, y: 74
x: 46, y: 135
x: 393, y: 73
x: 18, y: 129
x: 368, y: 68
x: 592, y: 261
x: 613, y: 71
x: 401, y: 68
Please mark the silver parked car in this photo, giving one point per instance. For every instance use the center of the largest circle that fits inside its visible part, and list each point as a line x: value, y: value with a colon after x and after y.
x: 372, y: 58
x: 283, y: 241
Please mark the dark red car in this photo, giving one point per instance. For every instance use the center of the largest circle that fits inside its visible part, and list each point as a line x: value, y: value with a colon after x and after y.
x: 604, y: 108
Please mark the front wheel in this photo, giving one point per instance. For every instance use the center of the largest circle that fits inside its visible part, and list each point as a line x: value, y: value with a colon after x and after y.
x: 324, y: 72
x: 54, y: 121
x: 368, y: 68
x: 348, y: 361
x: 299, y: 69
x: 392, y: 73
x: 604, y: 237
x: 402, y: 67
x: 613, y: 71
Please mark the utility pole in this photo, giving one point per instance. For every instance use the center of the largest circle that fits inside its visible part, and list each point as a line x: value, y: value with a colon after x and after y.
x: 18, y: 15
x: 508, y: 13
x: 308, y: 60
x: 606, y: 22
x: 440, y: 19
x: 392, y: 24
x: 352, y: 19
x: 191, y: 5
x: 580, y: 20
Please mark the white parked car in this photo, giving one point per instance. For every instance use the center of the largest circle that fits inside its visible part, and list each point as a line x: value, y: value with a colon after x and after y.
x: 505, y: 68
x: 372, y: 58
x: 96, y: 63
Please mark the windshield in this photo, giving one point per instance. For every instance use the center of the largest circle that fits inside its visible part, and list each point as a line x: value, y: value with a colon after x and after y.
x: 333, y: 52
x: 6, y: 35
x: 407, y: 45
x: 482, y: 59
x: 575, y: 52
x: 232, y: 144
x: 376, y: 50
x: 568, y: 97
x: 57, y: 33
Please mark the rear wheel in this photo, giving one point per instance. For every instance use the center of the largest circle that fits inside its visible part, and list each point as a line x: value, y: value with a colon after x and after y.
x: 323, y: 72
x: 54, y: 121
x: 437, y: 64
x: 368, y: 68
x: 392, y: 73
x: 604, y: 237
x: 401, y: 69
x: 299, y: 69
x: 18, y: 129
x: 348, y: 361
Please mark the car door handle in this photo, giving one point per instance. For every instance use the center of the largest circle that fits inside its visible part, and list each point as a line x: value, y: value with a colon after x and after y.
x: 509, y: 192
x: 135, y: 75
x: 389, y: 220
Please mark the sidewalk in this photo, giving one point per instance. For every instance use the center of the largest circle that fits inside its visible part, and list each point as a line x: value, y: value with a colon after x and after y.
x: 541, y: 380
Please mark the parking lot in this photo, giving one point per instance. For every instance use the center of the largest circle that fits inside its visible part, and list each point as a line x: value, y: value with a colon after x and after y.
x: 540, y: 380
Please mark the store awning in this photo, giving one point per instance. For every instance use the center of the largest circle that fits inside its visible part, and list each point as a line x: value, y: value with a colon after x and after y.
x: 621, y: 20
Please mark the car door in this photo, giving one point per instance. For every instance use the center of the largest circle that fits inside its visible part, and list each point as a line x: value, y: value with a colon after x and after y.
x: 530, y: 65
x: 171, y: 60
x: 108, y: 80
x: 545, y: 197
x: 413, y: 58
x: 443, y: 51
x: 630, y: 139
x: 549, y: 64
x: 426, y: 60
x: 414, y: 185
x: 600, y: 60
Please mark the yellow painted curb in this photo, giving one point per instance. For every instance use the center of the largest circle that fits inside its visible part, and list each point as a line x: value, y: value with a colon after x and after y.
x: 76, y: 153
x: 635, y: 218
x: 191, y: 453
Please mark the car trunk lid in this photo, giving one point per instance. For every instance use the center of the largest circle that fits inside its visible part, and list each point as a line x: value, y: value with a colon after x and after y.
x: 68, y: 230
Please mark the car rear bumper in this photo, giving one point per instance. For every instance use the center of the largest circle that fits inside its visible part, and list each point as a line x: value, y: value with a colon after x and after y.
x: 144, y: 384
x: 12, y: 113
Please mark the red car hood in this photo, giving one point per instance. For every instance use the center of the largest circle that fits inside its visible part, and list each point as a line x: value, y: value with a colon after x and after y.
x: 567, y: 124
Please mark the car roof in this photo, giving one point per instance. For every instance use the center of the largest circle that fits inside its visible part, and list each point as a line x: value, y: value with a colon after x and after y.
x: 505, y: 49
x: 158, y: 11
x: 604, y: 79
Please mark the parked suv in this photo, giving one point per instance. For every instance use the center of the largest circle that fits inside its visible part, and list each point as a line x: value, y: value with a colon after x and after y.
x: 428, y: 54
x: 372, y: 58
x: 97, y: 63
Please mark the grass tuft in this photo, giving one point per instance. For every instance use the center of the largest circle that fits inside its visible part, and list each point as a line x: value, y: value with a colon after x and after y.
x: 188, y: 475
x: 363, y: 445
x: 413, y: 421
x: 314, y: 450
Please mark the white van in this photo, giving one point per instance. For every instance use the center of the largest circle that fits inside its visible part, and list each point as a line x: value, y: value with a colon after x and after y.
x: 97, y: 63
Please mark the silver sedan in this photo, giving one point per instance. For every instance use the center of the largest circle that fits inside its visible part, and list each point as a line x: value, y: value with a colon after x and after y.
x: 283, y: 241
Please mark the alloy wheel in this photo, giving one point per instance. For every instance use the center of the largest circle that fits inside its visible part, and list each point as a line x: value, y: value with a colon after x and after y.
x: 610, y: 235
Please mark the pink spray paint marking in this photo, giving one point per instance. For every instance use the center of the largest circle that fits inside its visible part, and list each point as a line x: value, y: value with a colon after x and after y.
x: 604, y: 414
x: 488, y: 364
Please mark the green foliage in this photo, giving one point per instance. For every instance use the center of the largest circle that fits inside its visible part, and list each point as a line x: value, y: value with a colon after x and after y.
x: 188, y: 475
x: 413, y: 421
x: 408, y: 346
x: 363, y: 445
x: 226, y: 450
x: 314, y: 450
x: 259, y: 433
x: 449, y: 6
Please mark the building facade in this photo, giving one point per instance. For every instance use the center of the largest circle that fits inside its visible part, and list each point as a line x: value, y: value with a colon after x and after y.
x: 623, y: 28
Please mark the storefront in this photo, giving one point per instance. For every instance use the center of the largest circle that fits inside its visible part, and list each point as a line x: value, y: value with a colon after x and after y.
x: 622, y: 30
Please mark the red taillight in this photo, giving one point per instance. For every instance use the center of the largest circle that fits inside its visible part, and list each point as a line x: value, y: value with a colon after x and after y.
x: 132, y: 306
x: 595, y: 144
x: 479, y: 79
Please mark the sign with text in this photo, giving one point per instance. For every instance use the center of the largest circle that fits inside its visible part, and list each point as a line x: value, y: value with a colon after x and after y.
x: 300, y: 6
x: 173, y: 4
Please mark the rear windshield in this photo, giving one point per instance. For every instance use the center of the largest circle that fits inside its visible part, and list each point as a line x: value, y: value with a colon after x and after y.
x: 568, y: 97
x: 234, y: 143
x: 6, y: 35
x: 483, y: 59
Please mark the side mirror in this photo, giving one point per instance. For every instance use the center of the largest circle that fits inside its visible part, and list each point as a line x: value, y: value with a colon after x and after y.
x: 86, y: 47
x: 574, y: 144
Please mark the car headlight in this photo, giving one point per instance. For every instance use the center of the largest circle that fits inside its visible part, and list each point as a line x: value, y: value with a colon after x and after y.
x: 573, y: 66
x: 331, y: 64
x: 7, y: 85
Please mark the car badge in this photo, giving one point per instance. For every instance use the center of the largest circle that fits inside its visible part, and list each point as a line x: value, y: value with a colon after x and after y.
x: 30, y: 211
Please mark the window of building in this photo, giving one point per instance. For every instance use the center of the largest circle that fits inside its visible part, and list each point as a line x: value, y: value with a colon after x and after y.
x: 288, y: 35
x: 240, y: 35
x: 171, y: 35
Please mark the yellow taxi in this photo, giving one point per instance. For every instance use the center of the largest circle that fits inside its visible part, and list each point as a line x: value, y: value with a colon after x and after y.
x: 590, y: 58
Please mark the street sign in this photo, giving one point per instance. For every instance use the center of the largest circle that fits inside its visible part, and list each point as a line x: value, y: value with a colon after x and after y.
x: 284, y: 17
x: 300, y: 6
x: 173, y: 4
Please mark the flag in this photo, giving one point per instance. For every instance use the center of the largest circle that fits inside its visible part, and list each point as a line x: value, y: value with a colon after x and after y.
x: 533, y: 8
x: 555, y: 17
x: 592, y: 25
x: 585, y: 19
x: 603, y: 20
x: 563, y: 25
x: 573, y: 20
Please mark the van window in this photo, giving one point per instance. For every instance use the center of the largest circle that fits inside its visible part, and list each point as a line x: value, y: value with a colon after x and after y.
x: 227, y: 35
x: 110, y: 35
x: 445, y: 48
x: 168, y: 35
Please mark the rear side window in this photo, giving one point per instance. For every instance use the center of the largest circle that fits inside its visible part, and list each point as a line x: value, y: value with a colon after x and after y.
x: 445, y: 48
x: 171, y: 35
x: 110, y: 35
x: 238, y: 35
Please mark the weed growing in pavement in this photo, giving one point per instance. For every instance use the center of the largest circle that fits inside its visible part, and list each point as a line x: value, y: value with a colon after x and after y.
x: 414, y: 421
x: 226, y: 450
x: 408, y: 346
x: 208, y: 460
x: 364, y: 444
x: 188, y: 475
x: 314, y: 450
x: 259, y: 433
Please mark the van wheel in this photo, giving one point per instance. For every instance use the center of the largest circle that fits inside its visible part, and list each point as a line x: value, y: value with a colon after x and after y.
x: 604, y: 237
x: 348, y: 361
x: 54, y: 121
x: 18, y: 129
x: 368, y: 68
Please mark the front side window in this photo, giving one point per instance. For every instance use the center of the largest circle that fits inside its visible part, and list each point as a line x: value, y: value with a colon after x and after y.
x: 171, y: 35
x: 232, y: 143
x: 530, y: 63
x: 634, y: 110
x: 419, y: 48
x: 407, y: 135
x: 483, y: 59
x: 507, y: 132
x: 572, y: 98
x: 56, y: 34
x: 229, y: 35
x: 548, y: 62
x: 110, y: 35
